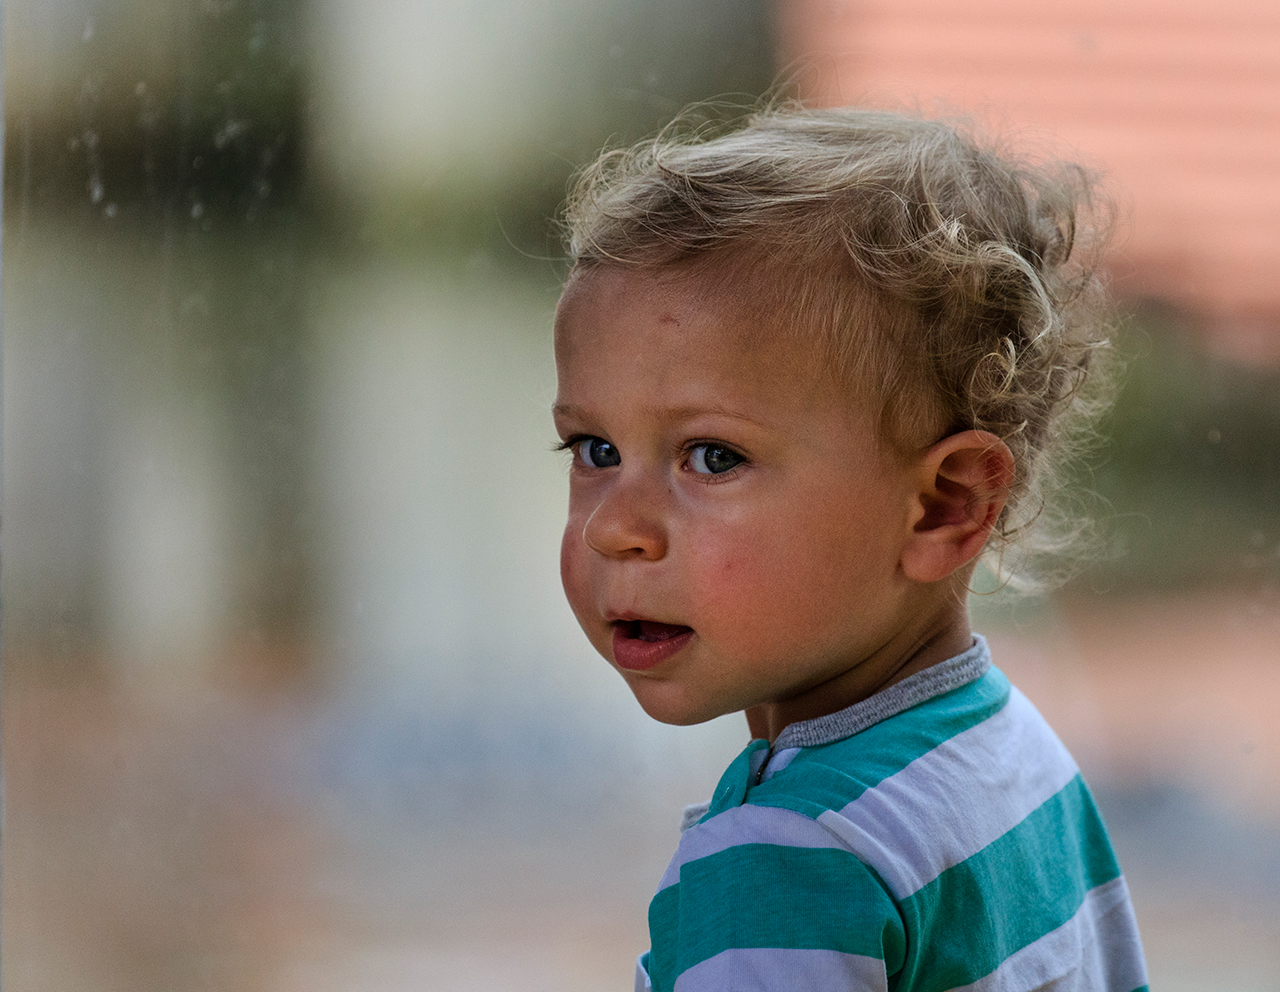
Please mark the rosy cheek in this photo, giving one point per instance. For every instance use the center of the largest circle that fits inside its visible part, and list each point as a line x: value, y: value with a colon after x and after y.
x: 759, y: 585
x: 733, y: 587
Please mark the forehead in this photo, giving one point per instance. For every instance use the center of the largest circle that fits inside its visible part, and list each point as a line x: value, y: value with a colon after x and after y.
x: 634, y: 340
x: 615, y: 309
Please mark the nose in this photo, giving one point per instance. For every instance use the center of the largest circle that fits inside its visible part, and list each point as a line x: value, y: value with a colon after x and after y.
x: 628, y: 522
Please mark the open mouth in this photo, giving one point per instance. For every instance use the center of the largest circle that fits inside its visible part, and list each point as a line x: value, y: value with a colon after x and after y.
x: 651, y: 630
x: 641, y: 644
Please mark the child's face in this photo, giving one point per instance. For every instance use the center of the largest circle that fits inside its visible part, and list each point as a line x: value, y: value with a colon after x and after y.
x: 734, y: 529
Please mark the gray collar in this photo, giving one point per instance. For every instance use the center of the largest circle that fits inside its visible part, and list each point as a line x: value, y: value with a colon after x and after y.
x: 911, y: 691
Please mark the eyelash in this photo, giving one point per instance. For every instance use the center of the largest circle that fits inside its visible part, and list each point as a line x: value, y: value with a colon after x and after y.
x: 568, y: 443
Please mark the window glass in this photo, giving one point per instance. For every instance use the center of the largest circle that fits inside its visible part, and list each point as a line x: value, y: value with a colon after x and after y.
x: 291, y: 697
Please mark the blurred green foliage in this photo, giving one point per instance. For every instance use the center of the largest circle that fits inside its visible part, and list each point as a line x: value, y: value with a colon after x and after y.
x: 621, y: 76
x: 1189, y: 471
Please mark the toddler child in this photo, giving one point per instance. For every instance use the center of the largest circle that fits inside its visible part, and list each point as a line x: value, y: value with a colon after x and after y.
x: 809, y: 371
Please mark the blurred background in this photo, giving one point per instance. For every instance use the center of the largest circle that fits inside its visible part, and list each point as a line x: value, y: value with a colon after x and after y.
x: 291, y: 700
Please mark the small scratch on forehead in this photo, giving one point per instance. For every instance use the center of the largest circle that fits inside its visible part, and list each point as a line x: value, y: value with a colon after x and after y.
x: 667, y: 318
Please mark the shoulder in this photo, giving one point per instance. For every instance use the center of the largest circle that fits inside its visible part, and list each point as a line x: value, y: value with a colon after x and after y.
x: 955, y: 837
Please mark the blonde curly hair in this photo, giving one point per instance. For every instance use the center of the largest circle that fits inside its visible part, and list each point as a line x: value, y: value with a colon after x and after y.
x: 953, y: 285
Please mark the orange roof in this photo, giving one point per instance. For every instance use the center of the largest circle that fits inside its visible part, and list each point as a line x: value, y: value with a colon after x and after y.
x: 1178, y: 102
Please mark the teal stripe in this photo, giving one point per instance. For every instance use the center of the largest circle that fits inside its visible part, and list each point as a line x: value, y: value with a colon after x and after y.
x: 731, y: 790
x: 1012, y: 892
x: 816, y: 780
x: 664, y: 932
x: 768, y: 895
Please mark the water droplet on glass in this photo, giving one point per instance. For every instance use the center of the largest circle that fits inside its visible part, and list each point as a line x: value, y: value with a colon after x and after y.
x: 1214, y: 435
x: 96, y: 190
x: 259, y: 40
x: 197, y: 211
x: 90, y: 29
x: 230, y: 131
x: 110, y: 210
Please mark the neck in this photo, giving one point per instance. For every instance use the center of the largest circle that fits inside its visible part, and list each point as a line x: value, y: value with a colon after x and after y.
x: 908, y: 652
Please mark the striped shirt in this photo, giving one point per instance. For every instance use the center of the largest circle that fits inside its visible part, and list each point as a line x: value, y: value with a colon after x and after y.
x: 935, y: 836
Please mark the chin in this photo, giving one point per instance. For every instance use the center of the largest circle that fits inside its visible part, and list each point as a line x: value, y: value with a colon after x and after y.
x: 667, y: 704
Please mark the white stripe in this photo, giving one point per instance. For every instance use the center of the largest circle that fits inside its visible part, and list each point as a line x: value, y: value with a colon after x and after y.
x: 768, y: 969
x: 643, y: 984
x: 779, y: 761
x: 746, y: 825
x: 1097, y: 950
x: 954, y: 800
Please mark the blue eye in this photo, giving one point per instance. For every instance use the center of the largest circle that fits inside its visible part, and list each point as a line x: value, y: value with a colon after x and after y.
x: 598, y: 453
x: 714, y: 459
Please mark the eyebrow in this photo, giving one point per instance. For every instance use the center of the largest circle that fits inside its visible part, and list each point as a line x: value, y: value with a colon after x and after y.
x: 664, y: 412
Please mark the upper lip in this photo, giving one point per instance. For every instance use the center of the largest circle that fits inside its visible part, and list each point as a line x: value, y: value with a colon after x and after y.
x: 629, y: 616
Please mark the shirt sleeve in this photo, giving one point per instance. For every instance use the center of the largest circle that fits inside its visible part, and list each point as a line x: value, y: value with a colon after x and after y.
x: 762, y: 899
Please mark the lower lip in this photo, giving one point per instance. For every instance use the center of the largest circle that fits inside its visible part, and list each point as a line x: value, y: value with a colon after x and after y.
x: 636, y: 655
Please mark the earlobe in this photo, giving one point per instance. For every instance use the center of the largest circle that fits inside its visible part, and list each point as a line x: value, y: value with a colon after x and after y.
x: 963, y: 484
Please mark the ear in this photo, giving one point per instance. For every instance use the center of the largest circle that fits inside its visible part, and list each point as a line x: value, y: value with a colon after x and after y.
x: 963, y: 484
